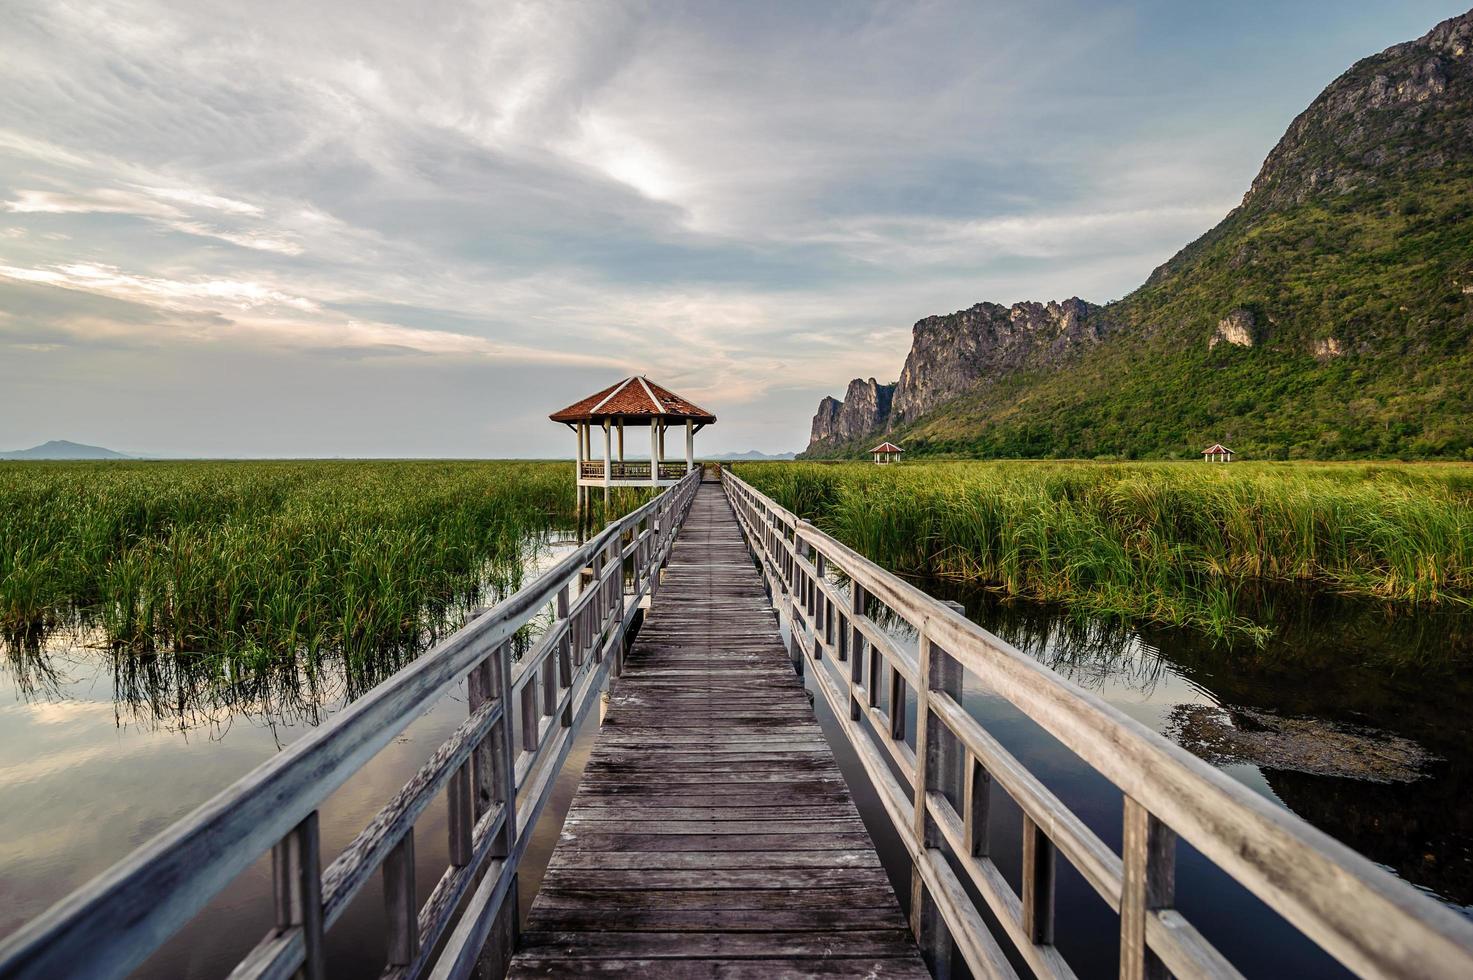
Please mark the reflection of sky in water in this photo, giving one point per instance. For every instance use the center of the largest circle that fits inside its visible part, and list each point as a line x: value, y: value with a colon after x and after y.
x: 87, y: 777
x: 1145, y: 682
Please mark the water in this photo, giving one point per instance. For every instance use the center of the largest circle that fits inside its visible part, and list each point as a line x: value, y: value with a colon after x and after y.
x: 1337, y: 668
x: 97, y: 756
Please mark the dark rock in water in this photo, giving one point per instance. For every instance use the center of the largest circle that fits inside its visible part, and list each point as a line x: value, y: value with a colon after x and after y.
x: 1228, y: 736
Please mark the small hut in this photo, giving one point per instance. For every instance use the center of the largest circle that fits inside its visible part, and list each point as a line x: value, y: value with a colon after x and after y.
x: 886, y: 453
x: 1218, y: 453
x: 636, y: 402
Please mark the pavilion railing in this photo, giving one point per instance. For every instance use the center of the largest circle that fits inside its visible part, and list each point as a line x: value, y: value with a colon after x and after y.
x: 631, y: 470
x: 937, y: 794
x: 497, y: 769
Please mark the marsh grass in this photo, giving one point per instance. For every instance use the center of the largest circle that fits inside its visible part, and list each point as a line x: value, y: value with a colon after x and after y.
x: 1173, y: 543
x: 244, y: 569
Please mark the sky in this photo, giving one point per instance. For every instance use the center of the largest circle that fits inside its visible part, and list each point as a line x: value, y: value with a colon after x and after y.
x: 364, y: 228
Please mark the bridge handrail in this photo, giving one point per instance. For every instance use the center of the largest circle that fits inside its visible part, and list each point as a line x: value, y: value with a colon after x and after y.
x: 937, y: 795
x: 498, y: 769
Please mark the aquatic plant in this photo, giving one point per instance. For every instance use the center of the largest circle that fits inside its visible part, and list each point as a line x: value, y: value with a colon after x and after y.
x: 257, y: 564
x: 1152, y: 542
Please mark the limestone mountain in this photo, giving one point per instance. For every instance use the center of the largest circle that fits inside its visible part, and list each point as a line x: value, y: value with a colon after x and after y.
x: 1329, y: 315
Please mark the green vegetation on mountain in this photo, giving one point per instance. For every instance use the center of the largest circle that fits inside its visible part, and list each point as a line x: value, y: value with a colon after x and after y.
x: 1330, y: 316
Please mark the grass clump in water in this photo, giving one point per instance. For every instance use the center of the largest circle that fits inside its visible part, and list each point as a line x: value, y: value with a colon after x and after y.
x: 1170, y: 543
x: 259, y: 564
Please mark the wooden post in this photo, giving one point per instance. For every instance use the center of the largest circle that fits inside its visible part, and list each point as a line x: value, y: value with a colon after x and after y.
x: 690, y: 445
x: 621, y: 439
x: 608, y: 464
x: 938, y: 769
x: 654, y: 452
x: 1148, y: 853
x: 565, y: 656
x: 856, y: 647
x: 296, y: 871
x: 401, y: 905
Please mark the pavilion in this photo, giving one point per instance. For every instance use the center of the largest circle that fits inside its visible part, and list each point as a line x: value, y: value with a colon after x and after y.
x: 634, y: 402
x: 886, y: 452
x: 1218, y: 453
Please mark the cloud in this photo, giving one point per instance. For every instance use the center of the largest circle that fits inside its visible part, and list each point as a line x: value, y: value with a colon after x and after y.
x: 752, y: 202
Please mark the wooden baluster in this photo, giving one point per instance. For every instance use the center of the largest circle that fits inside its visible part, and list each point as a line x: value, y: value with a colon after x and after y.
x: 1148, y: 853
x: 462, y: 820
x: 565, y: 654
x: 296, y: 872
x: 856, y: 647
x: 938, y: 769
x: 1038, y: 883
x: 897, y: 704
x: 502, y: 939
x: 547, y: 680
x: 530, y: 715
x: 401, y: 904
x: 978, y: 797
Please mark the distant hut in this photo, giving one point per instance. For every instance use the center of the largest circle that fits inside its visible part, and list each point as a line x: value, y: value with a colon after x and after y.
x: 1218, y: 453
x: 886, y: 453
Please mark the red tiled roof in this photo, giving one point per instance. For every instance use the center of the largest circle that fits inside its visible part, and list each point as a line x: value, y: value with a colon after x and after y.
x: 887, y: 447
x: 1216, y: 447
x: 633, y: 398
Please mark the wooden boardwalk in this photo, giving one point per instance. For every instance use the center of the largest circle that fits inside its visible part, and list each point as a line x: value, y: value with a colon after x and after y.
x: 712, y: 834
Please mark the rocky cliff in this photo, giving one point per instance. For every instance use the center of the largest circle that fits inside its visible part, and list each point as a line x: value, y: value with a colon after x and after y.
x: 864, y: 409
x: 1329, y: 315
x: 952, y: 354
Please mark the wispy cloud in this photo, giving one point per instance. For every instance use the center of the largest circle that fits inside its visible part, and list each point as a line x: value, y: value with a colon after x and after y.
x: 751, y: 202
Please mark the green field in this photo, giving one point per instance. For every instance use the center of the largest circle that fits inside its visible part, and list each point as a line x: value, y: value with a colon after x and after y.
x: 257, y: 564
x: 1171, y: 543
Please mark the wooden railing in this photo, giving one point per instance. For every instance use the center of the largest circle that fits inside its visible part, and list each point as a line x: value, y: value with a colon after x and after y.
x: 936, y: 794
x: 593, y: 469
x: 497, y: 769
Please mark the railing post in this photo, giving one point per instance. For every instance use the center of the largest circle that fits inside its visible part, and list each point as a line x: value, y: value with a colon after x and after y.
x: 1038, y: 883
x: 938, y: 770
x: 401, y: 904
x: 296, y: 872
x: 565, y: 655
x: 856, y: 647
x: 1148, y: 852
x: 494, y: 681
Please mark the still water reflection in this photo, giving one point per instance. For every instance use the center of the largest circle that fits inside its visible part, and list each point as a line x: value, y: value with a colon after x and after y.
x: 101, y: 751
x: 1346, y: 679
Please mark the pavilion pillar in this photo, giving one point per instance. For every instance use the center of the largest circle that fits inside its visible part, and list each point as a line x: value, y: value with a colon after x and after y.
x: 662, y: 440
x: 690, y: 445
x: 608, y: 460
x: 621, y: 440
x: 654, y: 452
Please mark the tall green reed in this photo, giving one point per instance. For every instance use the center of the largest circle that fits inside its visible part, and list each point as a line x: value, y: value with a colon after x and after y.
x: 1168, y: 543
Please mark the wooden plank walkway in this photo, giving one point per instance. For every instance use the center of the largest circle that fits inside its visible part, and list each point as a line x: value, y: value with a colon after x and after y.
x: 712, y: 834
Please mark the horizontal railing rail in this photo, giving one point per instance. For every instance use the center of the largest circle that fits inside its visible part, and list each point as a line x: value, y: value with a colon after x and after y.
x: 936, y: 795
x: 631, y: 470
x: 497, y: 769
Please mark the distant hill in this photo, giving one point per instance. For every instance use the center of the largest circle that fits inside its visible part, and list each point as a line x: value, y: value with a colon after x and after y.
x: 61, y: 449
x: 1329, y: 316
x: 752, y: 455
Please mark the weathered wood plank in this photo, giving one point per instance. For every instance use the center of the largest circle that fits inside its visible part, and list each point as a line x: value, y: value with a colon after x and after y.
x: 712, y: 833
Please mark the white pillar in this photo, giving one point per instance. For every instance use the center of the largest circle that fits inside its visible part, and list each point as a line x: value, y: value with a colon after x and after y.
x: 690, y: 445
x: 654, y: 452
x: 608, y: 454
